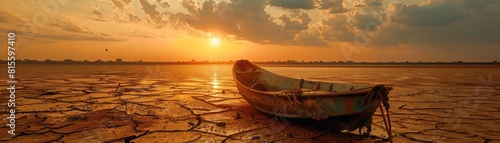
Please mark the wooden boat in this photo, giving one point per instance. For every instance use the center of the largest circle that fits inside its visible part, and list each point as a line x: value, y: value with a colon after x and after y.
x: 346, y: 106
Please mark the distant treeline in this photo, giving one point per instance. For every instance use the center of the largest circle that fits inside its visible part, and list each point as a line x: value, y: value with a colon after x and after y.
x: 292, y: 62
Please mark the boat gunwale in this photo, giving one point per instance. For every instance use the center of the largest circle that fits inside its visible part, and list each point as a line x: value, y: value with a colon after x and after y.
x: 279, y: 93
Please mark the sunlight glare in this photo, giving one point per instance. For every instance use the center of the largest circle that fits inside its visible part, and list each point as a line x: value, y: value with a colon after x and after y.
x: 213, y: 38
x: 214, y: 41
x: 215, y: 83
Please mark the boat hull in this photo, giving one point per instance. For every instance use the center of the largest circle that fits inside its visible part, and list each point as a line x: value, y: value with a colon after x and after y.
x: 346, y: 106
x: 309, y: 107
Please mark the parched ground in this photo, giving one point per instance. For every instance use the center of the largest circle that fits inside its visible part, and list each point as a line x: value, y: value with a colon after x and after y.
x: 426, y: 106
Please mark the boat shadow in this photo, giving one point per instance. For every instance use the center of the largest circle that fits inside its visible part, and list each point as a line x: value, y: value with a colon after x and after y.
x: 331, y: 127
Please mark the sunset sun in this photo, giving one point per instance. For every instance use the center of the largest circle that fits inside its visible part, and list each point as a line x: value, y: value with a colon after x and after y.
x: 213, y: 38
x: 214, y: 41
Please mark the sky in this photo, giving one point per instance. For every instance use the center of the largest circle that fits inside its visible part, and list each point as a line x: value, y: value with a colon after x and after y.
x: 257, y: 30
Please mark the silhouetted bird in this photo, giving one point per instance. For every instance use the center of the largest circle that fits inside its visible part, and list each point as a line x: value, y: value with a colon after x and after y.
x: 106, y: 50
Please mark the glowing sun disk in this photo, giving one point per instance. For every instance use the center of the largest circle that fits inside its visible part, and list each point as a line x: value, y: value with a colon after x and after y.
x: 215, y: 41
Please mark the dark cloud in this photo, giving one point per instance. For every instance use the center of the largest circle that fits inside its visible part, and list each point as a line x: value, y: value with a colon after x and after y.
x: 484, y: 32
x: 375, y: 3
x: 153, y: 16
x: 190, y: 5
x: 163, y: 3
x: 296, y: 22
x: 71, y: 25
x: 346, y: 27
x: 359, y: 5
x: 293, y: 4
x: 449, y: 24
x: 365, y: 20
x: 480, y: 8
x: 336, y: 28
x: 178, y: 21
x: 248, y: 20
x: 98, y: 15
x: 244, y: 20
x: 333, y: 6
x: 436, y: 23
x: 434, y: 15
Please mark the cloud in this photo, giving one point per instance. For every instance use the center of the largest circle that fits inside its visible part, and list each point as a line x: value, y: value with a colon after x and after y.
x: 246, y: 20
x: 298, y: 21
x: 120, y: 4
x: 105, y: 34
x: 240, y: 19
x: 485, y: 32
x: 442, y: 24
x: 293, y: 4
x: 101, y: 37
x: 375, y: 3
x: 9, y: 17
x: 153, y: 16
x: 134, y: 18
x: 163, y: 3
x: 118, y: 18
x: 190, y: 5
x: 435, y: 23
x: 363, y: 20
x: 434, y: 15
x: 97, y: 14
x: 336, y: 28
x: 123, y: 11
x: 333, y: 6
x: 62, y: 29
x: 72, y: 25
x: 147, y: 36
x: 480, y: 8
x: 309, y: 39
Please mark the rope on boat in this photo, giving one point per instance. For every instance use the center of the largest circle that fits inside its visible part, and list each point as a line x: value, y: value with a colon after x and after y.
x: 382, y: 92
x: 293, y: 96
x: 387, y: 123
x: 385, y: 102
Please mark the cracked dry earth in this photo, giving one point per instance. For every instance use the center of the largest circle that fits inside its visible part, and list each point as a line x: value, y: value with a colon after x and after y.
x: 200, y: 103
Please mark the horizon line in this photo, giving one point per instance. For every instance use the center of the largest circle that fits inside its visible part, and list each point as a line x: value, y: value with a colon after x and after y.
x: 120, y: 61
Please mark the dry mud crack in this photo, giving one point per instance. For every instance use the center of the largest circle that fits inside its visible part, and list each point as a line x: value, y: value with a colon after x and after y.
x: 88, y: 108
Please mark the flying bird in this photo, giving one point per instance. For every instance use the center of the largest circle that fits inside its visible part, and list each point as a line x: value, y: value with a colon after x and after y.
x: 106, y: 50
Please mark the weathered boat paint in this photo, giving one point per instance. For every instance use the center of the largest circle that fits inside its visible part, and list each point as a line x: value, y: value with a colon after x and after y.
x: 298, y: 98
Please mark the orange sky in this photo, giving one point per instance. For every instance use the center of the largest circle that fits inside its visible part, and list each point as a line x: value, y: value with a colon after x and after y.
x: 261, y: 30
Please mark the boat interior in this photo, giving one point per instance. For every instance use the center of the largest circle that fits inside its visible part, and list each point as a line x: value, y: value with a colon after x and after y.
x: 259, y: 79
